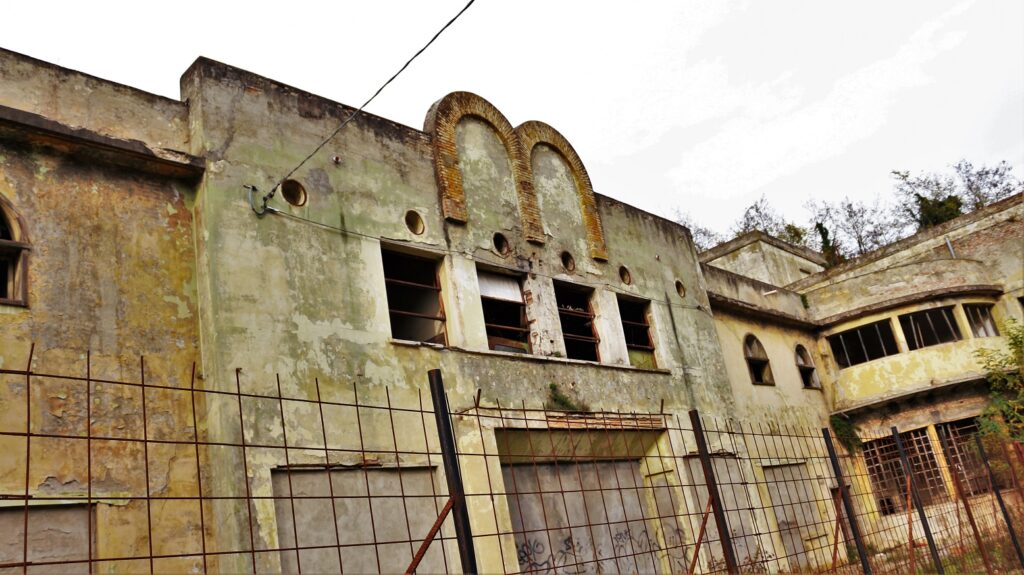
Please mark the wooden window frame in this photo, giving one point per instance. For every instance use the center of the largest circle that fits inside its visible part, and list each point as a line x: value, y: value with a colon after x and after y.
x: 976, y: 314
x: 757, y: 364
x: 14, y: 255
x: 923, y: 319
x: 587, y: 314
x: 842, y: 341
x: 494, y: 339
x: 393, y: 310
x: 808, y: 372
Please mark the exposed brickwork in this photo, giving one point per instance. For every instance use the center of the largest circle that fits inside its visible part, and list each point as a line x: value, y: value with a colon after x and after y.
x: 533, y: 133
x: 441, y: 122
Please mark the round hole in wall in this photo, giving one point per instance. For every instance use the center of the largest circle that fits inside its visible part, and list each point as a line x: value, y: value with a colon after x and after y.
x: 501, y: 244
x: 568, y: 262
x: 680, y: 289
x: 625, y: 276
x: 414, y: 222
x: 293, y: 193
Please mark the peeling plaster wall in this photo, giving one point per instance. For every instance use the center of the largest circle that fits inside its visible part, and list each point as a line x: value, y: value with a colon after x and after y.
x: 786, y: 402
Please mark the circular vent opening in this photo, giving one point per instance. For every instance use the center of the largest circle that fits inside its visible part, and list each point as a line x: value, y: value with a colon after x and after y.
x: 414, y: 222
x: 293, y: 193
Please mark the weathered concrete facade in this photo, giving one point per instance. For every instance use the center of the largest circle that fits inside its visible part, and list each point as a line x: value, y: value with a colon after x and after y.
x: 138, y: 234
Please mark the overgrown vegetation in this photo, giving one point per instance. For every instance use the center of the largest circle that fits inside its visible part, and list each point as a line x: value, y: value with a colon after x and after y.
x: 845, y: 432
x: 1004, y: 416
x: 855, y: 227
x: 559, y: 401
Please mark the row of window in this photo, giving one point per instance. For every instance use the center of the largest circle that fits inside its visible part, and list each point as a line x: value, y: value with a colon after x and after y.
x: 416, y: 311
x: 920, y: 329
x: 760, y: 367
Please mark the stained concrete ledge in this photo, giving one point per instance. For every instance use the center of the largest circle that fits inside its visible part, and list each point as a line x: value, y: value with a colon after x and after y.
x: 33, y: 129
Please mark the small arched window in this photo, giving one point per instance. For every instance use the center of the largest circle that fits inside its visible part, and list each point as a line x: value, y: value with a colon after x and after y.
x: 14, y: 249
x: 757, y: 362
x: 805, y: 366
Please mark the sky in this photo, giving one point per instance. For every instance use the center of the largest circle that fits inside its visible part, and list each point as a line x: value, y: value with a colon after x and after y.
x: 698, y: 106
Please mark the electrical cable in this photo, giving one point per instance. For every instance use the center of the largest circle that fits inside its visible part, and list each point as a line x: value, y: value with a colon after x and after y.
x: 270, y: 194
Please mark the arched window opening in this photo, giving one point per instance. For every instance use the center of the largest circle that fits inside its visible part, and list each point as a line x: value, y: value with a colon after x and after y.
x: 13, y: 257
x: 805, y: 366
x: 757, y: 362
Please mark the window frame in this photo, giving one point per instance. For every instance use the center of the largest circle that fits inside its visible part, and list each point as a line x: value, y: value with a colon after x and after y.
x: 806, y: 370
x: 918, y: 340
x: 14, y: 255
x: 645, y: 314
x: 563, y: 312
x: 979, y: 310
x: 764, y: 364
x: 842, y: 336
x: 435, y: 287
x: 524, y: 321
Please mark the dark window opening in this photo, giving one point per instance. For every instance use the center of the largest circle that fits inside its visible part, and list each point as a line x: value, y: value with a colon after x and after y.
x: 577, y: 319
x: 637, y: 330
x: 929, y: 327
x: 504, y: 312
x: 414, y: 298
x: 12, y: 261
x: 888, y: 478
x: 863, y: 344
x: 757, y: 362
x: 980, y: 318
x: 808, y: 375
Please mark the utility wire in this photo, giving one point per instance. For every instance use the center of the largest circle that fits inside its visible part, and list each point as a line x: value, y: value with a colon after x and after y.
x: 270, y: 194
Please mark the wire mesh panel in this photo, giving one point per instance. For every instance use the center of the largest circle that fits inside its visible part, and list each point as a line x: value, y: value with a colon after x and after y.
x: 271, y: 475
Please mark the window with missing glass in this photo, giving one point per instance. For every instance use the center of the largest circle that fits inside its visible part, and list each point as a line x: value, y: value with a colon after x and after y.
x: 757, y: 362
x: 414, y: 297
x: 929, y: 327
x: 577, y: 318
x: 804, y: 365
x: 504, y: 312
x: 14, y: 250
x: 863, y: 344
x: 979, y: 316
x: 637, y: 330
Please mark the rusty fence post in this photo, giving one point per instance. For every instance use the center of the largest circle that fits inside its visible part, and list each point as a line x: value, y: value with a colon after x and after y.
x: 917, y: 502
x: 999, y: 498
x: 847, y: 502
x: 955, y: 470
x: 450, y: 459
x: 716, y: 501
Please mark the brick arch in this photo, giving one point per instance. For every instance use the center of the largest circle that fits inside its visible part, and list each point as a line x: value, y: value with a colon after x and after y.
x: 533, y: 133
x: 441, y: 123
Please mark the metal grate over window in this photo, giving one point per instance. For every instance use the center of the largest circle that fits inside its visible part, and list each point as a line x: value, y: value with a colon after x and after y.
x: 888, y: 479
x: 504, y: 312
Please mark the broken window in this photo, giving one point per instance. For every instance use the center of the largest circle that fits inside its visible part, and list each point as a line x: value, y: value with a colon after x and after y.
x: 864, y: 343
x: 980, y: 318
x: 577, y: 318
x: 888, y: 479
x: 929, y: 327
x: 414, y: 297
x: 638, y: 332
x: 13, y: 253
x: 757, y: 362
x: 58, y: 537
x: 504, y: 312
x: 808, y: 375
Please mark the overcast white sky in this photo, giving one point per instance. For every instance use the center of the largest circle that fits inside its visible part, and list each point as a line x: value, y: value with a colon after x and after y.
x: 698, y: 105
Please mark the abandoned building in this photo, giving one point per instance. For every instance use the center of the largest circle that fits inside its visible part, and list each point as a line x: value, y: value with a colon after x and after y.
x: 196, y: 380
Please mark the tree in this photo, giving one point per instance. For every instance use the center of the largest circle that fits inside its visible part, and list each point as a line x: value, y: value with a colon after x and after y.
x: 1003, y: 369
x: 704, y: 238
x: 761, y: 216
x: 857, y: 227
x: 927, y: 200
